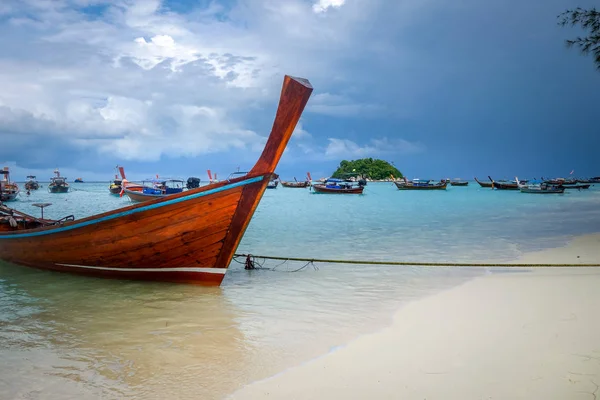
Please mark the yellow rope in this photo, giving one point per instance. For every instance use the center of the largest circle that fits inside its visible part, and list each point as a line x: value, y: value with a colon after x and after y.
x: 412, y: 263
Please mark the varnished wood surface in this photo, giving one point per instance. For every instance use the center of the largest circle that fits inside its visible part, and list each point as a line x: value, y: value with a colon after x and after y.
x: 184, y: 237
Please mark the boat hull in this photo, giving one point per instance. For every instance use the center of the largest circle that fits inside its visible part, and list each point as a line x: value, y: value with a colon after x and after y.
x: 549, y: 191
x: 404, y: 186
x: 577, y: 187
x: 31, y: 186
x: 58, y: 189
x: 8, y: 196
x: 484, y: 184
x: 185, y: 238
x: 324, y: 189
x: 139, y: 197
x: 459, y: 183
x: 295, y: 184
x: 114, y: 189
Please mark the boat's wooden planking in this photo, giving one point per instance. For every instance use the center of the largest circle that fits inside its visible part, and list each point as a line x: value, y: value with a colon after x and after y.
x: 184, y: 237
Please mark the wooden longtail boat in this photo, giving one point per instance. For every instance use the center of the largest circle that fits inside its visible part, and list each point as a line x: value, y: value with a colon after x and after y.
x: 338, y: 186
x: 58, y: 184
x: 160, y: 188
x: 116, y: 186
x: 458, y: 182
x: 577, y: 187
x: 32, y: 183
x: 8, y: 190
x: 540, y: 188
x: 296, y: 183
x: 418, y: 184
x: 504, y: 185
x: 187, y: 237
x: 483, y: 184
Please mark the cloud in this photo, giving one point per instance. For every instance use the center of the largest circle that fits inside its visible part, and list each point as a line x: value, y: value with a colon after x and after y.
x: 345, y: 148
x: 300, y: 133
x: 341, y: 106
x: 323, y: 5
x: 138, y: 81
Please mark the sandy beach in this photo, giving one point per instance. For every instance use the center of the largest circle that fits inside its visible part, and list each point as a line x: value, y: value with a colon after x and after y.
x: 513, y: 334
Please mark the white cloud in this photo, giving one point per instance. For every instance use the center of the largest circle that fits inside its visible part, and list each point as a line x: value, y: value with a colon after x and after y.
x: 341, y: 106
x: 347, y: 149
x: 139, y: 81
x: 300, y: 133
x: 323, y: 5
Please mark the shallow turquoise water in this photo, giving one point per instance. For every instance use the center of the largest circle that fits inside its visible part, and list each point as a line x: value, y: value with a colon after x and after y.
x: 68, y: 336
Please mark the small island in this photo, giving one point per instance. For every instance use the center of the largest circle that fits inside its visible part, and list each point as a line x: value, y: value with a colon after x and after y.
x: 368, y: 168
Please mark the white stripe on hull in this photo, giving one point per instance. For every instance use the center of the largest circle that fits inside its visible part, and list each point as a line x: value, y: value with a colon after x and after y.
x: 204, y: 270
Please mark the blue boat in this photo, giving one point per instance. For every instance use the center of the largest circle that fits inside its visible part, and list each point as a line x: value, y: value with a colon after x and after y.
x: 156, y: 188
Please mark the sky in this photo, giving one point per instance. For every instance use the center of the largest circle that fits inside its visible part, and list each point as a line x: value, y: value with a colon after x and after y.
x: 175, y: 87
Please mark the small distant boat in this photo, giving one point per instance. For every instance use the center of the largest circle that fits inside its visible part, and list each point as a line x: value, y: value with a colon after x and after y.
x: 560, y: 181
x: 504, y: 185
x: 32, y: 183
x: 8, y: 190
x: 210, y: 177
x: 58, y: 184
x: 339, y: 186
x: 116, y: 185
x: 298, y: 184
x: 272, y: 184
x: 78, y: 180
x: 576, y: 186
x: 125, y: 184
x: 192, y: 183
x: 540, y: 188
x: 155, y: 189
x: 483, y: 184
x: 458, y: 182
x: 421, y: 184
x: 595, y: 179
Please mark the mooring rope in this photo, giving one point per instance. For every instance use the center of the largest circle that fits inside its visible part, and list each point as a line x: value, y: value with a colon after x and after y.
x: 251, y: 258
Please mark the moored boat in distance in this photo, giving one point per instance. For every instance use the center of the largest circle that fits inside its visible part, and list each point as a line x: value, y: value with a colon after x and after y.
x: 576, y: 186
x: 186, y: 237
x: 78, y: 180
x: 339, y: 186
x: 272, y: 184
x: 58, y: 184
x: 539, y: 187
x: 296, y: 183
x: 8, y: 190
x: 125, y: 184
x: 504, y: 185
x: 31, y: 183
x: 421, y: 184
x: 483, y: 184
x: 458, y: 182
x: 116, y: 185
x: 155, y: 188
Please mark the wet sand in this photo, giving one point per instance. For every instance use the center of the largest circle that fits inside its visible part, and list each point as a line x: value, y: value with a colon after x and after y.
x: 514, y: 334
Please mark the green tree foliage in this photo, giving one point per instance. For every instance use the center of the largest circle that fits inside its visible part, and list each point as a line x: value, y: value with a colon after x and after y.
x: 589, y: 20
x: 367, y: 168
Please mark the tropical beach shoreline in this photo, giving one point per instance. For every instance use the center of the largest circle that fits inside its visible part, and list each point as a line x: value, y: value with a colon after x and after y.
x: 513, y: 334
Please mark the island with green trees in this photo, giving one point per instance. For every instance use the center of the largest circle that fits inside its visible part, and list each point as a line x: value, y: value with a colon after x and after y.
x: 368, y: 168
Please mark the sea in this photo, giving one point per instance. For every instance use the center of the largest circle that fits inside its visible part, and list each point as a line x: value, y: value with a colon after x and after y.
x: 71, y: 337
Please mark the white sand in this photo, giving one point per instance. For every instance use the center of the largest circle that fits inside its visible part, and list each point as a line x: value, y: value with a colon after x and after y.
x: 521, y: 335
